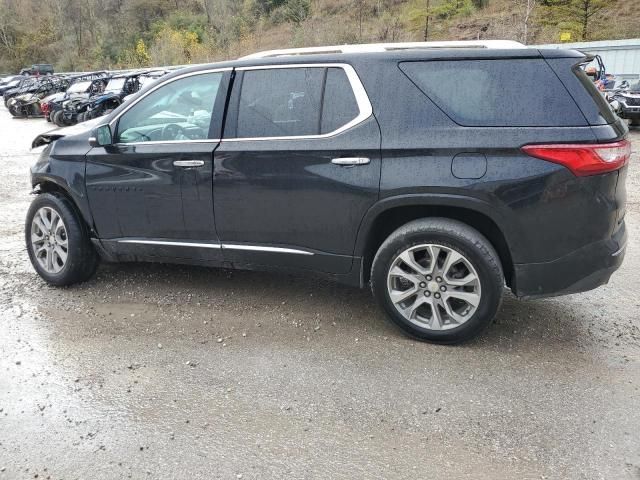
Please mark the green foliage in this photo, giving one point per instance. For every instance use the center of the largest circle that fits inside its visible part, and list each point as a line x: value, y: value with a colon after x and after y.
x: 423, y: 14
x: 452, y: 8
x: 296, y: 11
x: 480, y: 3
x: 580, y: 17
x: 88, y: 34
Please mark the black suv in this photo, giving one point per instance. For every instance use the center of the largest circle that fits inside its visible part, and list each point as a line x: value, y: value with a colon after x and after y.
x: 436, y: 173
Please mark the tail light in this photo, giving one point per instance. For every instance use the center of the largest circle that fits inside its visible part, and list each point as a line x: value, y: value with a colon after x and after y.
x: 584, y: 159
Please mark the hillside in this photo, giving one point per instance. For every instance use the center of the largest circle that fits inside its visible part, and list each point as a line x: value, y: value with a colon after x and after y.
x: 86, y: 34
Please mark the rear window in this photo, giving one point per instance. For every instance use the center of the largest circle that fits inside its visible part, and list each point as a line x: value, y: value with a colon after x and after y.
x: 280, y: 102
x: 301, y: 101
x: 500, y: 93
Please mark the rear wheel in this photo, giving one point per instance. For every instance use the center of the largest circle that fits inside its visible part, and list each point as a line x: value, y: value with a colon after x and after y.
x: 58, y: 241
x: 439, y: 280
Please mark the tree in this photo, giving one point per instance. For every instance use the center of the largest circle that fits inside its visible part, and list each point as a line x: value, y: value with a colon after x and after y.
x: 577, y: 16
x: 527, y: 8
x: 360, y: 8
x: 419, y: 16
x: 296, y: 11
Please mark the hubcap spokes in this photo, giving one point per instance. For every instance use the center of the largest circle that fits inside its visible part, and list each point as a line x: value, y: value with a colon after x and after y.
x: 49, y: 240
x: 433, y: 286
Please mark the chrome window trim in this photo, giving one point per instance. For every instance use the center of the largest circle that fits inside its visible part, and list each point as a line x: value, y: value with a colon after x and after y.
x: 165, y: 142
x: 362, y: 99
x: 114, y: 121
x: 223, y: 246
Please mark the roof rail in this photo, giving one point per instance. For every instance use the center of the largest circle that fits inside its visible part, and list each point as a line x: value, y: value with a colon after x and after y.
x: 385, y: 47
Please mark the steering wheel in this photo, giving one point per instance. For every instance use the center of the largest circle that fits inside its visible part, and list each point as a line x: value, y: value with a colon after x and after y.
x: 171, y: 131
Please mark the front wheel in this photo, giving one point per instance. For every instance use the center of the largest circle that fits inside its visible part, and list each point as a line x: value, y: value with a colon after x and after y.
x: 58, y: 118
x: 439, y: 280
x: 58, y: 241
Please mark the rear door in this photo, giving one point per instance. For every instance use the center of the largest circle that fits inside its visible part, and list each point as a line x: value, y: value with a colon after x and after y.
x: 151, y: 192
x: 298, y: 167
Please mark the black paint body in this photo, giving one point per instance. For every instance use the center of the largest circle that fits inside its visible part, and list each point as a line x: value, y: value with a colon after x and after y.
x: 558, y: 233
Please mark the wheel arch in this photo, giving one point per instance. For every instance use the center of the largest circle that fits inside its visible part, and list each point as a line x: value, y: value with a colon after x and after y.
x: 54, y: 186
x: 387, y: 216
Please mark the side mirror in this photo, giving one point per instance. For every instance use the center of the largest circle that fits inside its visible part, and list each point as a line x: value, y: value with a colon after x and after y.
x: 101, y: 136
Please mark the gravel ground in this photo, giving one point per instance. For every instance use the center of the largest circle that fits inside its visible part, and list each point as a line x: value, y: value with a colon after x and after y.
x: 162, y: 372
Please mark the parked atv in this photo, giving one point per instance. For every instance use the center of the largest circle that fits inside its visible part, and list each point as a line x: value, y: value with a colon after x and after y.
x: 26, y: 85
x: 117, y: 89
x: 147, y: 78
x: 50, y: 104
x: 628, y: 103
x: 65, y: 112
x: 28, y: 104
x: 10, y: 82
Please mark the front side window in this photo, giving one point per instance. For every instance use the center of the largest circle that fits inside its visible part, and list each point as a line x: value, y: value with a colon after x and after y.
x: 179, y: 110
x: 294, y: 102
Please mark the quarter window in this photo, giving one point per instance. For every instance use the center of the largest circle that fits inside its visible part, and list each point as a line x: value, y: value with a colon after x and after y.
x: 179, y: 110
x: 496, y: 93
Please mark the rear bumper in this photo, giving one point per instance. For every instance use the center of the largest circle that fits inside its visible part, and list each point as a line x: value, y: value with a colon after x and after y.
x: 579, y: 271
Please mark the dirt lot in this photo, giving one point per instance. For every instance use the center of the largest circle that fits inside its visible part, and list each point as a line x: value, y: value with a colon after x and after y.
x: 152, y: 371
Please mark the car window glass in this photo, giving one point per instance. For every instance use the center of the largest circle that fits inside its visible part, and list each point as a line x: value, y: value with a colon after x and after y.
x: 339, y: 105
x: 180, y: 110
x: 280, y: 102
x: 513, y: 92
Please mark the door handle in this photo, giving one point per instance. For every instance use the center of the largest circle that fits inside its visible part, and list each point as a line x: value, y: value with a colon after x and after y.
x: 351, y: 161
x: 188, y: 163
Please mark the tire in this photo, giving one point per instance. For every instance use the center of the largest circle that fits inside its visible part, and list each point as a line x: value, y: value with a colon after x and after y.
x: 473, y: 257
x: 57, y: 118
x: 80, y: 117
x: 634, y: 122
x: 70, y: 238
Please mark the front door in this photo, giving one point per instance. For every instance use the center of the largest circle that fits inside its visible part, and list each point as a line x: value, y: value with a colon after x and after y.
x: 151, y: 191
x: 298, y: 167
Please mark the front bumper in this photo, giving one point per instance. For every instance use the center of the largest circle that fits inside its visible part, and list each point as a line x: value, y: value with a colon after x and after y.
x: 631, y: 112
x: 579, y: 271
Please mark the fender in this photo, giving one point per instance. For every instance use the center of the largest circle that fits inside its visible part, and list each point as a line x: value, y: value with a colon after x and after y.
x: 61, y: 168
x: 512, y: 233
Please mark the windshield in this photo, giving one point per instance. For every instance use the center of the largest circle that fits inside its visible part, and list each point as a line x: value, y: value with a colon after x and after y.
x: 115, y: 84
x: 79, y: 87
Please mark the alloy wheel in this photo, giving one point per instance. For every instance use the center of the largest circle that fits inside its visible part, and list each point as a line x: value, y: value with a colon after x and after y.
x: 49, y: 240
x: 433, y: 286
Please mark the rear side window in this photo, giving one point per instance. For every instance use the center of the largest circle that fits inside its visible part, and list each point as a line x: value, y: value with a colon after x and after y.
x: 280, y: 102
x: 499, y: 93
x: 293, y: 102
x: 339, y: 106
